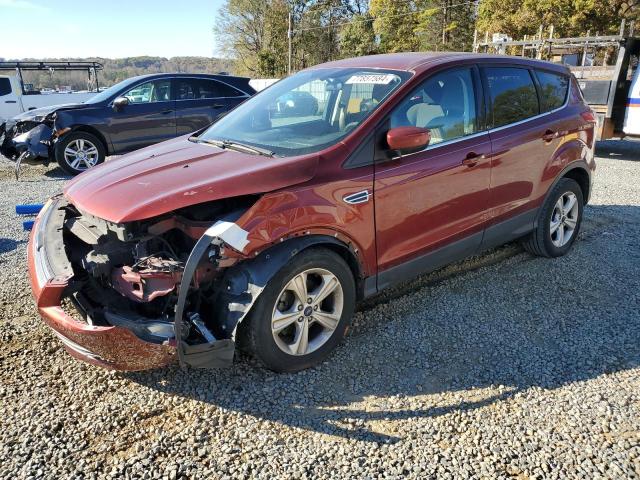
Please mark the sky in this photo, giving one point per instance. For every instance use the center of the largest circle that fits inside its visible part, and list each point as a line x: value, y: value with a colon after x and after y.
x: 107, y: 28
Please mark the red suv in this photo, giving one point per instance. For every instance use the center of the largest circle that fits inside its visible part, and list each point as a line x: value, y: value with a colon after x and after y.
x: 266, y: 228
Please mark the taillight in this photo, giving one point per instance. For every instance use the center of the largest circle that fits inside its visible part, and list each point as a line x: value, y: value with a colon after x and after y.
x: 588, y: 116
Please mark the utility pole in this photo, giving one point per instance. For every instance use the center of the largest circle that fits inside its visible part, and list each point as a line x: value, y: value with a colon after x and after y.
x: 289, y: 35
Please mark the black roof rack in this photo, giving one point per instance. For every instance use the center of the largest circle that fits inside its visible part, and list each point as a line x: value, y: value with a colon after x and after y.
x: 19, y: 67
x: 56, y: 65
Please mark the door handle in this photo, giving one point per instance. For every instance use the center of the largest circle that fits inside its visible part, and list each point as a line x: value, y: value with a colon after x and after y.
x: 217, y: 105
x: 164, y: 112
x: 549, y: 135
x: 472, y: 159
x: 10, y: 101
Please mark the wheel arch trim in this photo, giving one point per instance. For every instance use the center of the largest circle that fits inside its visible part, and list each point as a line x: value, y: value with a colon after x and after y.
x: 577, y: 166
x: 92, y: 131
x: 240, y: 286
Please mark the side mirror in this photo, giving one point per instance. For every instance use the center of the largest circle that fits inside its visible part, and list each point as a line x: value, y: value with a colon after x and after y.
x: 408, y: 138
x: 119, y: 103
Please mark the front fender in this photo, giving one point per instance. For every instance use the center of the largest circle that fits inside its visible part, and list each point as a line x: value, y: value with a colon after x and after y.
x: 239, y: 289
x: 314, y: 210
x: 76, y: 120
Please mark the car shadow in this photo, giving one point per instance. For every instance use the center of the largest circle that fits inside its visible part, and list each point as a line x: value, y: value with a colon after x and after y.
x: 619, y: 149
x: 481, y: 331
x: 9, y: 244
x: 57, y: 174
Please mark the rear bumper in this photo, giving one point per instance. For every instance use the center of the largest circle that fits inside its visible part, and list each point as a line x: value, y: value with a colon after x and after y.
x: 50, y: 273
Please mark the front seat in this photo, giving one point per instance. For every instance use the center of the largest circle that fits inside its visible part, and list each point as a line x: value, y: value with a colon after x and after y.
x: 422, y: 115
x: 450, y: 124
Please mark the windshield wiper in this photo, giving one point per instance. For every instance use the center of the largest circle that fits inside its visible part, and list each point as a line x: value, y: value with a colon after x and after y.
x: 240, y: 147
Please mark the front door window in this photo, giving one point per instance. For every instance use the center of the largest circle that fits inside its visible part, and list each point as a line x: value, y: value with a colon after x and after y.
x: 150, y: 92
x: 444, y: 104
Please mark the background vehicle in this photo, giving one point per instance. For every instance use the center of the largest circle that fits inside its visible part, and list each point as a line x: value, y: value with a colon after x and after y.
x: 132, y: 114
x: 603, y: 64
x: 17, y: 97
x: 296, y: 103
x: 267, y: 231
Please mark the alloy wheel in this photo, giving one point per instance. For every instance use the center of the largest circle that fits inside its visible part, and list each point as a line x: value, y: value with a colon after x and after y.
x: 307, y: 311
x: 564, y: 219
x: 81, y: 154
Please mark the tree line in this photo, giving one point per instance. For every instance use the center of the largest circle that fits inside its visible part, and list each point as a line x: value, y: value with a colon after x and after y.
x: 255, y: 33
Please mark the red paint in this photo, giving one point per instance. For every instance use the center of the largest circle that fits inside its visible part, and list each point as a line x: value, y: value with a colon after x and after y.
x: 176, y: 174
x: 430, y: 198
x: 408, y: 138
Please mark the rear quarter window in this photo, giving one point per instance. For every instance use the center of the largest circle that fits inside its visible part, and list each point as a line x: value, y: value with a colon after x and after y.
x: 512, y: 94
x: 553, y: 89
x: 200, y: 89
x: 214, y: 89
x: 5, y: 86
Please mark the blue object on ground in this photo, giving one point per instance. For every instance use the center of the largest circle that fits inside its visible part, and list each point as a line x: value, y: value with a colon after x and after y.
x: 28, y: 209
x: 27, y: 224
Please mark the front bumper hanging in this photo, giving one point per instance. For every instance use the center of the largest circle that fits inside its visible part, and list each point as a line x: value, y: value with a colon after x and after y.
x: 50, y: 274
x: 31, y: 146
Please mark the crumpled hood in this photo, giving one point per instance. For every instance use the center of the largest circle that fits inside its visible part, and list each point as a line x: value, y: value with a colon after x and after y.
x: 37, y: 114
x: 176, y: 174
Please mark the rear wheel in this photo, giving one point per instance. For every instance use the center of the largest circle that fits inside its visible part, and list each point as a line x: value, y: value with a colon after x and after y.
x: 559, y: 221
x: 302, y: 313
x: 78, y: 152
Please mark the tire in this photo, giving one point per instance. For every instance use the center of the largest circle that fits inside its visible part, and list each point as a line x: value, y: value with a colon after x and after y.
x: 546, y: 241
x: 91, y: 149
x: 255, y: 332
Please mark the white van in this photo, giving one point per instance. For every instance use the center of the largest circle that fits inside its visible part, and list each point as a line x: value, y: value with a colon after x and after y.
x: 13, y: 101
x: 632, y: 112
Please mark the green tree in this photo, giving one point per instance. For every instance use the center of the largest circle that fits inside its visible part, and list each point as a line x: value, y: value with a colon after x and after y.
x: 568, y: 17
x: 395, y: 25
x: 445, y: 24
x: 318, y: 27
x: 358, y: 38
x: 253, y: 33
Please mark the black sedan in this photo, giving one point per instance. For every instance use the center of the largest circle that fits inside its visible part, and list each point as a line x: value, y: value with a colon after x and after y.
x: 132, y: 114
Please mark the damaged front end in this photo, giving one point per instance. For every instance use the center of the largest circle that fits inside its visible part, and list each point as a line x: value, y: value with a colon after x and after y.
x: 137, y: 295
x: 28, y: 139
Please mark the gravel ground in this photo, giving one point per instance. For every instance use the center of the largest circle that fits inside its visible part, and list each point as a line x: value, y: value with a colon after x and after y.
x: 502, y: 366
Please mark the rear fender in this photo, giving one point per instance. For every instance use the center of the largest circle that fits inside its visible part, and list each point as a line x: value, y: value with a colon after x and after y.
x: 579, y: 167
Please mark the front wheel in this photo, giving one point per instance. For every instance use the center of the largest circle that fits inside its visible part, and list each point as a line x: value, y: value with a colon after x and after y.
x: 559, y: 221
x: 303, y: 312
x: 79, y: 151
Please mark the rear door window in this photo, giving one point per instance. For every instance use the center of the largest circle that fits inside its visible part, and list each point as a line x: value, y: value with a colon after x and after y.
x: 186, y: 89
x: 512, y: 93
x: 553, y: 89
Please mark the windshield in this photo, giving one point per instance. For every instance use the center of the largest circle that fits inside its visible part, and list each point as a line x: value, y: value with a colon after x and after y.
x: 307, y: 112
x: 111, y: 91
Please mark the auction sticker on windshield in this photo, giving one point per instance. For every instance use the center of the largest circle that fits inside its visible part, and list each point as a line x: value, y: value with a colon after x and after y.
x: 375, y: 78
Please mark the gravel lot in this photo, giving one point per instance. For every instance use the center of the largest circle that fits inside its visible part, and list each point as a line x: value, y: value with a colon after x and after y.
x: 502, y: 366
